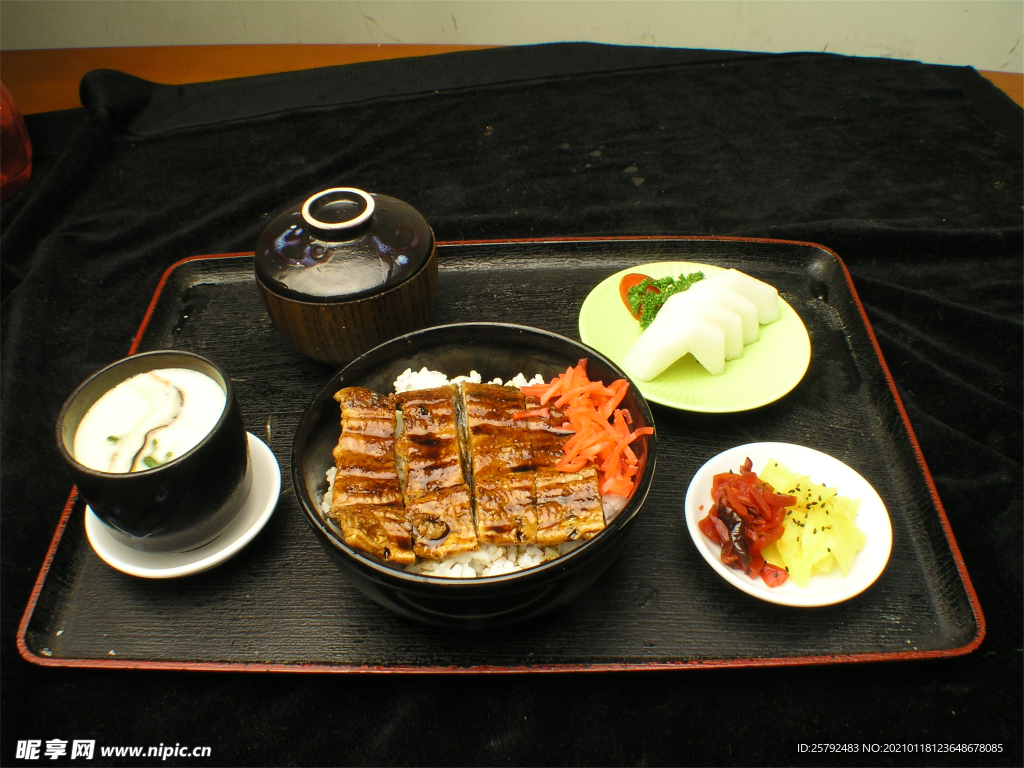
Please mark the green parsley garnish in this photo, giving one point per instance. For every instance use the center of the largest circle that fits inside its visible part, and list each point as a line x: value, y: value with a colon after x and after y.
x: 112, y: 438
x: 150, y: 462
x: 647, y: 297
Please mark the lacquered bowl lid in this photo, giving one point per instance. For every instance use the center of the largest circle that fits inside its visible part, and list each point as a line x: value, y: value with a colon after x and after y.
x: 342, y: 244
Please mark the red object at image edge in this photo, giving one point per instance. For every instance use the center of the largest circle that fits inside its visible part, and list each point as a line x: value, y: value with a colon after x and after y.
x: 15, y: 148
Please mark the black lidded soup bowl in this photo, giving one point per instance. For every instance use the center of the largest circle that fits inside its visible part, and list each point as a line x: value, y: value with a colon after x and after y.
x: 344, y: 271
x: 494, y: 350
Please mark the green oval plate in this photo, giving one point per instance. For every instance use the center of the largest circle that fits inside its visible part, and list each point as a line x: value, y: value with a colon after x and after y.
x: 768, y: 369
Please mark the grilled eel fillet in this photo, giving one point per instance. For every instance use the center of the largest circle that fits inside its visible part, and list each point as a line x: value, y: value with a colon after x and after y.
x: 568, y: 504
x: 367, y: 498
x: 429, y: 457
x: 502, y: 462
x: 517, y: 494
x: 520, y: 497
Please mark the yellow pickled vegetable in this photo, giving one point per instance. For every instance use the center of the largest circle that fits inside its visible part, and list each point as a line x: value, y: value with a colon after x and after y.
x: 819, y: 532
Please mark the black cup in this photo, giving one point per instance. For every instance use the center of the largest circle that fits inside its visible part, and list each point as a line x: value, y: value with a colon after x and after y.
x: 177, y: 506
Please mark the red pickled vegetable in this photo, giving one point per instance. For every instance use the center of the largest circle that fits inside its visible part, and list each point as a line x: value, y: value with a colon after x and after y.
x: 600, y: 428
x: 747, y: 516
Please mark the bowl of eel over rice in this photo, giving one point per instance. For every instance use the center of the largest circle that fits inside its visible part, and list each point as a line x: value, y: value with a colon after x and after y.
x: 453, y: 503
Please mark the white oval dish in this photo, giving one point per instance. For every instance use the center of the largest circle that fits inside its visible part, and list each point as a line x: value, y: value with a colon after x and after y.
x: 822, y: 589
x: 257, y: 510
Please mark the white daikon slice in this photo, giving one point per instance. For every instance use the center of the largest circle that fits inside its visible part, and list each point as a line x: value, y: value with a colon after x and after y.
x: 730, y: 322
x: 765, y: 297
x: 671, y: 337
x: 724, y: 296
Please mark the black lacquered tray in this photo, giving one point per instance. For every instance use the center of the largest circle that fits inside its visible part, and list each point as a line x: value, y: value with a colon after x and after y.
x: 282, y: 605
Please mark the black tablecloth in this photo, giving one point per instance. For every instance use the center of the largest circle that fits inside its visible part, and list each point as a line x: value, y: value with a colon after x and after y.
x: 911, y: 173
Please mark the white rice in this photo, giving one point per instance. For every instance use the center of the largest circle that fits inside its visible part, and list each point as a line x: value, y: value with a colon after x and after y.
x: 325, y: 503
x: 424, y: 378
x: 490, y: 559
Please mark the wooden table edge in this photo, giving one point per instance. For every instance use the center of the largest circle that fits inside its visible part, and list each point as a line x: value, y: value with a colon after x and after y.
x: 47, y: 80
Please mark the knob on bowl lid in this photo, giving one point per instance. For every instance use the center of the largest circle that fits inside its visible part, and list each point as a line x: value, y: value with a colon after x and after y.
x: 341, y: 244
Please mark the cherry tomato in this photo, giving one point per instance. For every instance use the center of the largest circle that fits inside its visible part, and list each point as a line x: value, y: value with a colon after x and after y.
x: 627, y: 282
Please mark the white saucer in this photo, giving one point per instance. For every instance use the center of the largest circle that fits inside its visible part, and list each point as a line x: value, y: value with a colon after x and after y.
x: 823, y: 589
x: 258, y: 508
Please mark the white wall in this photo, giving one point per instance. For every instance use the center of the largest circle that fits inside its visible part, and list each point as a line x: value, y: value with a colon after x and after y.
x: 985, y: 34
